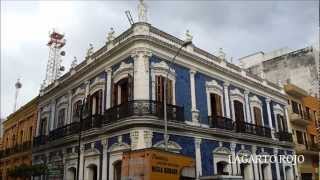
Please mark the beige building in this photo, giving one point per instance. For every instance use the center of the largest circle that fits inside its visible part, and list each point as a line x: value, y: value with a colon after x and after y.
x: 304, y: 124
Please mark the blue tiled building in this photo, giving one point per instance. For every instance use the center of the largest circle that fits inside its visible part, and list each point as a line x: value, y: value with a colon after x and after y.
x: 216, y: 110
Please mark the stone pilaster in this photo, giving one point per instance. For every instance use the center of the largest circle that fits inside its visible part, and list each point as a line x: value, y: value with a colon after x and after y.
x: 226, y: 98
x: 194, y: 110
x: 108, y: 89
x: 276, y: 151
x: 255, y: 165
x: 141, y: 73
x: 287, y: 118
x: 69, y: 120
x: 233, y: 153
x: 81, y: 166
x: 246, y: 97
x: 270, y: 118
x: 52, y: 116
x: 104, y: 143
x: 197, y: 142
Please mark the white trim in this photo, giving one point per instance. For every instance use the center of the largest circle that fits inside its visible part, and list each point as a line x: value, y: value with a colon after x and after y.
x: 172, y: 146
x: 221, y: 154
x: 277, y: 110
x: 122, y: 72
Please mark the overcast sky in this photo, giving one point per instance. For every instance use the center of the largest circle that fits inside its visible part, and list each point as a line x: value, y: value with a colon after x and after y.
x: 239, y: 27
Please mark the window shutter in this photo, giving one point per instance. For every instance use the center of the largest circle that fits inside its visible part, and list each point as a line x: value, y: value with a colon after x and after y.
x: 257, y: 116
x: 130, y: 87
x: 169, y: 92
x: 100, y: 102
x: 218, y: 105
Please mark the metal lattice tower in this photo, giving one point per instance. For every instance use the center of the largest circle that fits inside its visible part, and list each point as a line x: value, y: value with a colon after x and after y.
x: 54, y: 67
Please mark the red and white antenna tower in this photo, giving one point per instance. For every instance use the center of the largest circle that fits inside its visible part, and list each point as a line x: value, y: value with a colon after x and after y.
x: 54, y: 68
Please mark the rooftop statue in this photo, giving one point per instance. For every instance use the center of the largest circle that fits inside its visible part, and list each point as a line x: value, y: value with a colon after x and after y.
x: 90, y: 50
x: 142, y: 12
x: 110, y: 36
x: 74, y: 62
x: 189, y: 37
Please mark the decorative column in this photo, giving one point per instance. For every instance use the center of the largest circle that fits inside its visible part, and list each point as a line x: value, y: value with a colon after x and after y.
x: 104, y: 143
x: 287, y: 118
x: 52, y: 116
x: 70, y: 107
x: 194, y: 110
x: 108, y: 89
x: 296, y: 171
x: 270, y: 118
x: 246, y: 97
x: 81, y: 166
x: 141, y: 73
x: 277, y: 164
x: 234, y: 163
x: 256, y: 169
x: 226, y: 98
x: 87, y: 88
x: 197, y: 142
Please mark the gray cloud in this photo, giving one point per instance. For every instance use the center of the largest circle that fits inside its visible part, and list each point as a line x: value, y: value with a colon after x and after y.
x: 240, y: 27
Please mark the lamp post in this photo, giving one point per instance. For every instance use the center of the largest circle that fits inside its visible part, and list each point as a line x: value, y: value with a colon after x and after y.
x: 165, y: 94
x: 83, y: 111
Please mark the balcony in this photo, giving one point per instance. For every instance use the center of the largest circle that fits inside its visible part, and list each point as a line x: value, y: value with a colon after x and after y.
x: 244, y: 127
x: 220, y: 122
x: 143, y: 108
x: 299, y: 119
x: 18, y: 148
x: 284, y: 136
x: 64, y: 131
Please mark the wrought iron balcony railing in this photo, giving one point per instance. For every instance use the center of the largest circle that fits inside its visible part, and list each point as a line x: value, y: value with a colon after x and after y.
x: 66, y: 130
x: 93, y: 121
x: 249, y: 128
x: 143, y: 108
x: 284, y: 136
x: 18, y: 148
x: 220, y: 122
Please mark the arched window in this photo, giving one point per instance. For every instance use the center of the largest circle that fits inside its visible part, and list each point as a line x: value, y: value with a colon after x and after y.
x: 257, y: 116
x: 215, y: 101
x: 96, y: 102
x: 43, y: 126
x: 61, y: 117
x: 238, y: 111
x: 282, y: 126
x: 222, y: 168
x: 92, y: 172
x: 76, y: 111
x: 160, y: 80
x: 71, y: 173
x: 123, y: 91
x: 117, y: 170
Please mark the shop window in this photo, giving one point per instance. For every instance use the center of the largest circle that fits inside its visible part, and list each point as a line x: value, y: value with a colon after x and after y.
x: 117, y: 170
x: 222, y: 168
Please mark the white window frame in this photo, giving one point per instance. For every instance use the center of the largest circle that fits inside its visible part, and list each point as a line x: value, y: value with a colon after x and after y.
x: 277, y: 109
x: 235, y: 94
x: 212, y: 87
x: 256, y: 102
x: 161, y: 69
x: 221, y: 154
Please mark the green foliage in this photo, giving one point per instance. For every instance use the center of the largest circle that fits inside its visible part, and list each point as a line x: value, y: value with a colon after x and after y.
x: 28, y: 170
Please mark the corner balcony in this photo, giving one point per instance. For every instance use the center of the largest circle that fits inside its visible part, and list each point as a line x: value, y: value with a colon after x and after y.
x: 115, y: 114
x: 18, y: 148
x: 299, y: 119
x: 143, y: 108
x: 284, y: 136
x: 248, y: 128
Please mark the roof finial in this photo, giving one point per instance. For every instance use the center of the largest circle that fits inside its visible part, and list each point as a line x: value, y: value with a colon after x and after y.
x: 74, y: 62
x: 222, y: 55
x: 188, y: 35
x: 90, y: 50
x: 142, y: 11
x: 110, y: 36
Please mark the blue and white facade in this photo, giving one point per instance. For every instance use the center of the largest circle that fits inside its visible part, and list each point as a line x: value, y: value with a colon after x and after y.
x: 122, y: 84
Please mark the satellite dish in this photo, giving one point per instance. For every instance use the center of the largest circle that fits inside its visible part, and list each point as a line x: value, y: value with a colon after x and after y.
x: 63, y: 53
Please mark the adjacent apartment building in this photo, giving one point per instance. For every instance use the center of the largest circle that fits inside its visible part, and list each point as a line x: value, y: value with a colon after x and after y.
x: 214, y: 109
x: 304, y: 123
x: 299, y: 67
x: 18, y: 131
